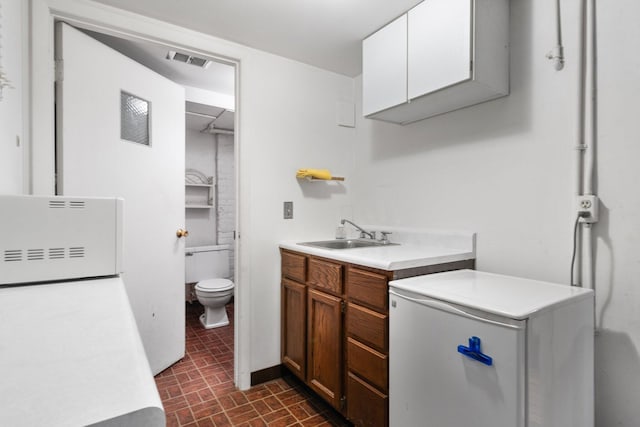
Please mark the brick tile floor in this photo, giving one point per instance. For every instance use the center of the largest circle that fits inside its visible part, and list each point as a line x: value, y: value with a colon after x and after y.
x: 198, y: 391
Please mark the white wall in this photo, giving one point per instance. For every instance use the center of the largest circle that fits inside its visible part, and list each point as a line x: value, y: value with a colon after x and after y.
x: 288, y: 118
x: 285, y: 119
x: 505, y: 169
x: 12, y: 16
x: 226, y: 194
x: 618, y: 233
x: 200, y: 154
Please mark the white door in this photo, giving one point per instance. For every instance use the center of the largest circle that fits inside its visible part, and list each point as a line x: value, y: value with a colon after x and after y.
x: 94, y: 158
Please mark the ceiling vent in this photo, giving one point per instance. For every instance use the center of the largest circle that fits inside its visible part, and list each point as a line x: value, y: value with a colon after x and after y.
x: 188, y: 59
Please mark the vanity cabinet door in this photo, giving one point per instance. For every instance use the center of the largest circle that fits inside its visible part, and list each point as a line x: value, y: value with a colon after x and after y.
x: 324, y: 346
x: 294, y: 327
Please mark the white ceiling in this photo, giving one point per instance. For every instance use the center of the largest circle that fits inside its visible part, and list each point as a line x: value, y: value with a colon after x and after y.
x: 216, y: 77
x: 324, y: 33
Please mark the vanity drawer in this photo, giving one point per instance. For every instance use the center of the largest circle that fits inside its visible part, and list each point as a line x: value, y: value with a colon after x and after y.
x: 367, y: 326
x: 325, y: 275
x: 366, y: 406
x: 367, y: 288
x: 294, y: 266
x: 368, y: 363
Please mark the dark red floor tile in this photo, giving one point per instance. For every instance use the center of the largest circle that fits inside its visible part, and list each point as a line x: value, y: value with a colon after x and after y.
x: 198, y: 391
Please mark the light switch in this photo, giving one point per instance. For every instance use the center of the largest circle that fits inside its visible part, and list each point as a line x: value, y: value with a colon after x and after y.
x: 288, y: 210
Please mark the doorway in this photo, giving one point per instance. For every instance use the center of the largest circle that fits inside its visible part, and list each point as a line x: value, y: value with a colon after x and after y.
x: 209, y: 228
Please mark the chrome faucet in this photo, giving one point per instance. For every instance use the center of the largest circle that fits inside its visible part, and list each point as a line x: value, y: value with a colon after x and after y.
x: 363, y: 232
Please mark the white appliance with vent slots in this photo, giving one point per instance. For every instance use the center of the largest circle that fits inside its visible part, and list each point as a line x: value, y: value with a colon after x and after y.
x: 70, y: 350
x: 59, y: 238
x: 486, y: 350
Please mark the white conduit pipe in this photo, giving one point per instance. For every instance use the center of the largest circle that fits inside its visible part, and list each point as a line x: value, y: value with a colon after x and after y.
x: 590, y: 138
x: 557, y: 53
x: 580, y: 145
x: 585, y: 155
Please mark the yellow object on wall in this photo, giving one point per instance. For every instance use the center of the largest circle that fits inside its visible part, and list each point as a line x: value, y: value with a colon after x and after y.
x: 313, y: 173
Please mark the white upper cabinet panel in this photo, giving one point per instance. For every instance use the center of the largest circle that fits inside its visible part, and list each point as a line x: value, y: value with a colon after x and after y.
x: 384, y: 70
x: 453, y: 54
x: 440, y: 45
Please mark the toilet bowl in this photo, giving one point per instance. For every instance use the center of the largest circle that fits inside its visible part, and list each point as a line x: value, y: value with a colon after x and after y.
x: 208, y: 267
x: 214, y: 294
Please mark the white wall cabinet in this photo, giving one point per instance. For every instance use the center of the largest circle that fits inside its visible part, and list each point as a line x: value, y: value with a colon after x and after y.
x: 384, y: 56
x: 440, y: 56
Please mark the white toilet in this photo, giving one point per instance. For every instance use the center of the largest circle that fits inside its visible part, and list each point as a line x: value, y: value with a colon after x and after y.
x: 208, y: 267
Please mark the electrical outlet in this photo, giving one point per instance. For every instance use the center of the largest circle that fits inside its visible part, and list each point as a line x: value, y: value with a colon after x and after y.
x: 588, y: 207
x: 288, y: 210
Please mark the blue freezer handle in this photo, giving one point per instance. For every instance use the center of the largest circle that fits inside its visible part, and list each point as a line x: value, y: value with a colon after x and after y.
x: 474, y: 352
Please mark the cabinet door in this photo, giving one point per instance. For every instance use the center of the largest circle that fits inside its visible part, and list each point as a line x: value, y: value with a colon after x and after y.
x: 384, y: 67
x: 439, y: 45
x: 324, y: 341
x: 294, y: 311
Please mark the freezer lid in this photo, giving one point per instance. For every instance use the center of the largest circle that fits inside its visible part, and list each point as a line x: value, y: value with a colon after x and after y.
x: 71, y: 355
x: 511, y: 297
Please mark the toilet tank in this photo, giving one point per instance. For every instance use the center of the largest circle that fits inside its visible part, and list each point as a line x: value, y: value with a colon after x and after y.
x: 206, y: 262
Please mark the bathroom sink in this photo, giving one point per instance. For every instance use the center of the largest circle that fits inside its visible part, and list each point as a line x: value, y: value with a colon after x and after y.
x: 346, y: 244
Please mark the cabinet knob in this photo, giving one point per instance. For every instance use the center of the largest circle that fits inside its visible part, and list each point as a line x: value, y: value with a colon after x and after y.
x: 182, y: 233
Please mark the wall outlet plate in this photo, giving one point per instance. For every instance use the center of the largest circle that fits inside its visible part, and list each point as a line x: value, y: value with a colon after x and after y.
x: 588, y: 204
x: 288, y: 210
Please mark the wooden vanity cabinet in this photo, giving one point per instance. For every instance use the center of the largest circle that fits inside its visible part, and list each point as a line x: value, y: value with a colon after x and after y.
x: 324, y: 346
x: 325, y: 306
x: 335, y: 331
x: 367, y: 337
x: 294, y: 333
x: 293, y: 296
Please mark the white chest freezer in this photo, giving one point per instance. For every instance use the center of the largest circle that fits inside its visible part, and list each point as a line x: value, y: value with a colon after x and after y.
x: 70, y: 350
x: 486, y: 350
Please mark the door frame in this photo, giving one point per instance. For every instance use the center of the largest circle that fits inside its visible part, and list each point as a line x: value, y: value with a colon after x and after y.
x: 119, y: 23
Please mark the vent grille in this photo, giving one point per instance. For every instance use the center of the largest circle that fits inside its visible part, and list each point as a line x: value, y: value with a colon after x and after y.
x: 16, y: 255
x: 11, y: 255
x: 76, y: 204
x: 76, y: 252
x: 188, y: 59
x: 56, y: 253
x: 57, y: 204
x: 35, y: 254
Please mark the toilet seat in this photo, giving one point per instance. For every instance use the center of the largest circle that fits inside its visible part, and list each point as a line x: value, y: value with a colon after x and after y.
x: 214, y: 285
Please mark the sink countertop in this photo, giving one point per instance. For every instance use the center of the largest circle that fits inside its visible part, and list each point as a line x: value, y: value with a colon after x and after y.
x: 417, y: 248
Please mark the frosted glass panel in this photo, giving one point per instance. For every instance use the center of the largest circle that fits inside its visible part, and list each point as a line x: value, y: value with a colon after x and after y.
x: 134, y: 118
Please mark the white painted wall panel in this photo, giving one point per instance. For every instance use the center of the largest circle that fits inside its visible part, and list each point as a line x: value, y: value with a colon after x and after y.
x: 11, y: 106
x: 506, y: 170
x: 286, y: 120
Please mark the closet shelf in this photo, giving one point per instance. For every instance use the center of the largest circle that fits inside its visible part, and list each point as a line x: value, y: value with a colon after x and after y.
x: 198, y: 206
x: 198, y: 185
